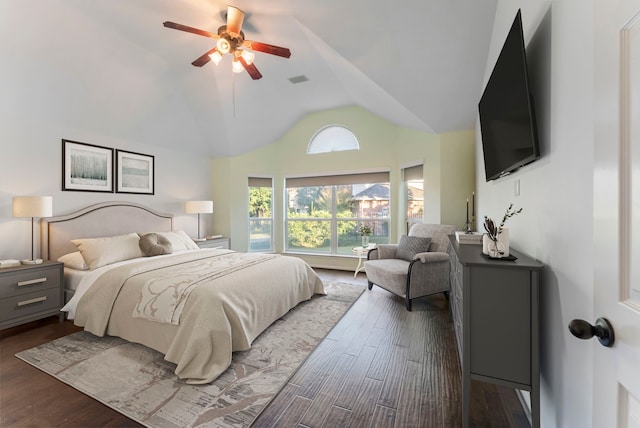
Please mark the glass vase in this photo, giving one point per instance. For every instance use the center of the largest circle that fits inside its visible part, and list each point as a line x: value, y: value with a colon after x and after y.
x: 365, y: 241
x: 485, y: 244
x: 499, y: 248
x: 496, y: 249
x: 503, y: 239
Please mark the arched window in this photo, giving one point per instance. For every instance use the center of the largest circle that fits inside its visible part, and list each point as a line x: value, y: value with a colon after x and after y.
x: 332, y: 138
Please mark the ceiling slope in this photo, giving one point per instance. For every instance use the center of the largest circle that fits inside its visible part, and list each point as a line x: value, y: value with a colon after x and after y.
x: 111, y: 67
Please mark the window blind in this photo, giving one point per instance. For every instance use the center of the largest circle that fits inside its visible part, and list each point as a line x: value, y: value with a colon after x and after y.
x: 331, y: 180
x: 413, y: 173
x: 260, y: 182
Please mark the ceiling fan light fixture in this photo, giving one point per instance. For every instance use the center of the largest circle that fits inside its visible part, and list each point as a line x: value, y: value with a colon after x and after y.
x: 230, y: 39
x: 237, y: 66
x: 248, y: 56
x: 223, y: 45
x: 216, y: 57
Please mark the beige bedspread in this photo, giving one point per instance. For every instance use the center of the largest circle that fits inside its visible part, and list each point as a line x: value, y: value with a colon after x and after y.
x: 221, y: 315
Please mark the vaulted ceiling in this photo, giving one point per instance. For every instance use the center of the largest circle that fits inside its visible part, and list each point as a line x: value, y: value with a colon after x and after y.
x: 111, y: 67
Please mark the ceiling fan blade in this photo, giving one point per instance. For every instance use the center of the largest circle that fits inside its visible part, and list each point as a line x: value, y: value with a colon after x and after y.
x: 188, y: 29
x: 234, y: 19
x: 204, y: 58
x: 251, y: 69
x: 266, y: 48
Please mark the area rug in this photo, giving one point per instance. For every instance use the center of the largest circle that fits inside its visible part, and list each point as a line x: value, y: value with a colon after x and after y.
x: 137, y: 382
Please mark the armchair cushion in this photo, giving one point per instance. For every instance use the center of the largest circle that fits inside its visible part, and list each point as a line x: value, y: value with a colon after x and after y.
x: 390, y: 274
x: 409, y: 246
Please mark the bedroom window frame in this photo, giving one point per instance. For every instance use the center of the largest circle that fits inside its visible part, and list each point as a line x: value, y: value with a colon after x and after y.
x: 332, y: 138
x: 343, y: 230
x: 412, y: 175
x: 265, y: 222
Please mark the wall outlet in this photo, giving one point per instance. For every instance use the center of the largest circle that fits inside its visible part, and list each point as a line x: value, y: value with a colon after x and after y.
x: 516, y: 188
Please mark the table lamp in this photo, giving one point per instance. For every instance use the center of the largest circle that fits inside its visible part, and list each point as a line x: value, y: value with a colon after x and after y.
x: 198, y: 207
x: 32, y: 206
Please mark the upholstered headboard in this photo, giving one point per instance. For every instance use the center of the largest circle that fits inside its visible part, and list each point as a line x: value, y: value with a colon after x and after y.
x: 103, y: 219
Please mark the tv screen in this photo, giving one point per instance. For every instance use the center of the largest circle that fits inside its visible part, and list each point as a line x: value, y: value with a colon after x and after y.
x: 507, y: 116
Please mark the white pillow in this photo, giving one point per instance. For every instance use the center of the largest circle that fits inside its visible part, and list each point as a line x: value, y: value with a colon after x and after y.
x: 103, y: 251
x: 74, y: 261
x: 179, y: 240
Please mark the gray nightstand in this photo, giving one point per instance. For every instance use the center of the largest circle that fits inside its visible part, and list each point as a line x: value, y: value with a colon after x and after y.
x: 30, y: 292
x: 223, y: 243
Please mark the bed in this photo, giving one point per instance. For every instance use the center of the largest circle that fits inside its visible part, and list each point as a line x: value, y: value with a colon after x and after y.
x: 194, y: 305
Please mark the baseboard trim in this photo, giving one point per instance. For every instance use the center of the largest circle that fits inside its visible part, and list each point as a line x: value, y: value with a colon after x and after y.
x: 525, y: 406
x: 329, y: 267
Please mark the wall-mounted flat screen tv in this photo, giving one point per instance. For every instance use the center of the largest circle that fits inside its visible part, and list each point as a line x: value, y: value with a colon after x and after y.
x: 506, y: 110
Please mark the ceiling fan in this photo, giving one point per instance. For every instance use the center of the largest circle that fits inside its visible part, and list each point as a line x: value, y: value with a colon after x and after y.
x: 231, y: 40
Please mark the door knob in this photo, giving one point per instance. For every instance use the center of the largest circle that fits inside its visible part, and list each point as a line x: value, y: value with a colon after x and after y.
x: 603, y: 330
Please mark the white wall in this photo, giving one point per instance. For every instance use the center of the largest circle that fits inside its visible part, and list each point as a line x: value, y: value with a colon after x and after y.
x: 50, y: 92
x: 555, y: 192
x: 31, y: 164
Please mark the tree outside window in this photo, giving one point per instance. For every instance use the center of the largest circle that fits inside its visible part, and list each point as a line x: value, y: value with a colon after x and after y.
x: 260, y: 214
x: 327, y: 219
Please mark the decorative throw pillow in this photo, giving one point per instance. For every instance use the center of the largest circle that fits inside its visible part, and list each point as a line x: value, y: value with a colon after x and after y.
x: 103, y: 251
x: 153, y: 244
x: 179, y: 240
x: 409, y: 246
x: 74, y: 261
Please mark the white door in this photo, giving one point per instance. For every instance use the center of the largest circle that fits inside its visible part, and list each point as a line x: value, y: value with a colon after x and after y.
x: 616, y: 370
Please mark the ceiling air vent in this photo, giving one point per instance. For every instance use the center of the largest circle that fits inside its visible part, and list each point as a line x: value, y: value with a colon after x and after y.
x: 298, y: 79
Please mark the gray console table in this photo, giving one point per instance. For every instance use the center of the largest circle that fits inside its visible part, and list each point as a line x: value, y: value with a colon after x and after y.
x: 494, y: 305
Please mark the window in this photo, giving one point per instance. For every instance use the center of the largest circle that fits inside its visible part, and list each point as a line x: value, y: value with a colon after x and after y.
x: 414, y: 185
x: 324, y: 214
x: 332, y: 138
x: 260, y: 214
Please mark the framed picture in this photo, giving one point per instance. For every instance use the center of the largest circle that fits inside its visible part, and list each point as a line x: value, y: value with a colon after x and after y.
x: 134, y: 172
x: 86, y: 167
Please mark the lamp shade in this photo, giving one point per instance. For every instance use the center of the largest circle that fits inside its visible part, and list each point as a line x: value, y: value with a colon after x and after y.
x: 32, y: 206
x: 198, y: 207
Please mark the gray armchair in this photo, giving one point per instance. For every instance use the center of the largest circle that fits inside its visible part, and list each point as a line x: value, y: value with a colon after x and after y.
x: 416, y: 274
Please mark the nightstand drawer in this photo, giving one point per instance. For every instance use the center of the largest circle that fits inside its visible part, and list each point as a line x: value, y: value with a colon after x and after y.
x: 24, y: 305
x: 222, y: 243
x: 29, y: 280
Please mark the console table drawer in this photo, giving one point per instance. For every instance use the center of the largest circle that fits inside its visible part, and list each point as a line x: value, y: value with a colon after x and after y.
x: 24, y: 305
x: 28, y: 281
x: 500, y: 324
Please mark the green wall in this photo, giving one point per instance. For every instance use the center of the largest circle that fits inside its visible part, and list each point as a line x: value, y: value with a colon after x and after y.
x: 457, y: 176
x: 449, y: 172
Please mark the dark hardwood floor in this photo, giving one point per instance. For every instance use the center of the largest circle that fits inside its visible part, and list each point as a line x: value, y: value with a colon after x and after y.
x: 381, y: 366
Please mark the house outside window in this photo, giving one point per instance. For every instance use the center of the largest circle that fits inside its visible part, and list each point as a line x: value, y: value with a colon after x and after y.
x: 324, y: 214
x: 414, y: 195
x: 260, y: 214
